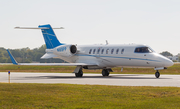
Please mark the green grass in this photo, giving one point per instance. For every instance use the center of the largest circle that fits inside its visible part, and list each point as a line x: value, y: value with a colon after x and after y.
x: 175, y: 69
x: 87, y: 96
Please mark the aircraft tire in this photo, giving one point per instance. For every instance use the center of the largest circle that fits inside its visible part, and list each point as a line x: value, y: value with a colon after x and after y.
x: 105, y: 72
x: 157, y: 74
x: 79, y: 74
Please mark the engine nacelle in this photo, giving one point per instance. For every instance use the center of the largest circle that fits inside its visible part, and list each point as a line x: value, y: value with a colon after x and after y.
x: 66, y: 50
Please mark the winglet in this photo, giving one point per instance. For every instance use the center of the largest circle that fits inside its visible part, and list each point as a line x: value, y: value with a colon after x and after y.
x: 12, y: 58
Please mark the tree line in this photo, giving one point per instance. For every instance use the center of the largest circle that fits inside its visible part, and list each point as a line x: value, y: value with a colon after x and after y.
x: 26, y: 55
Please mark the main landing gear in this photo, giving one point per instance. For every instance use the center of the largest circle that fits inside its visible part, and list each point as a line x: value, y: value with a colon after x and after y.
x: 105, y: 72
x: 79, y: 74
x: 157, y: 74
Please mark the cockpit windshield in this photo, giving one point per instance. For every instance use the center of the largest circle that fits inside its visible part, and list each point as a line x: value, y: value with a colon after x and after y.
x: 143, y: 50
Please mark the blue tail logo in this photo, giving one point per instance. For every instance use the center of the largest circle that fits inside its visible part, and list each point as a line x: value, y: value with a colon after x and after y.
x: 49, y: 36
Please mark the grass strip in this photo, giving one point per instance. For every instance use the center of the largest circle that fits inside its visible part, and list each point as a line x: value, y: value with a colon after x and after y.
x: 30, y: 96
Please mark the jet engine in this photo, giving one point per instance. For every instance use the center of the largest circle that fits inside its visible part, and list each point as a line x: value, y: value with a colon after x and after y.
x: 66, y: 50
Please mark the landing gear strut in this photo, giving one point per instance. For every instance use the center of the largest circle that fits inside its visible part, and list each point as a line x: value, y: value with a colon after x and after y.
x: 157, y: 74
x: 79, y: 74
x: 105, y: 72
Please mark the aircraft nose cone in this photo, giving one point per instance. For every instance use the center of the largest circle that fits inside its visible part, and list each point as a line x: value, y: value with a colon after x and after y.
x: 168, y: 63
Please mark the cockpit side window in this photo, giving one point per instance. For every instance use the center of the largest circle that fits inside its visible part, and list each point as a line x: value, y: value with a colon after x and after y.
x: 143, y: 50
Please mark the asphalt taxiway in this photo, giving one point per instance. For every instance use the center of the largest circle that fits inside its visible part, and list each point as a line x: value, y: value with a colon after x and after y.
x: 93, y: 79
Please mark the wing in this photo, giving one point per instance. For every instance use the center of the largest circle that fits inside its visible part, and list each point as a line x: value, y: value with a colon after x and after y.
x: 49, y: 64
x: 57, y: 64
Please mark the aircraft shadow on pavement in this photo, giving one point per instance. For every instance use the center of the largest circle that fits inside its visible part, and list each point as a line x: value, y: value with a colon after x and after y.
x: 100, y: 77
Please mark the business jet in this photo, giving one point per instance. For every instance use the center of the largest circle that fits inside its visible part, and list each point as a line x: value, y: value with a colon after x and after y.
x: 103, y: 57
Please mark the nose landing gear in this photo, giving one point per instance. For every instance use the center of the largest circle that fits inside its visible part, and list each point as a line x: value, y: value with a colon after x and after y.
x: 157, y: 74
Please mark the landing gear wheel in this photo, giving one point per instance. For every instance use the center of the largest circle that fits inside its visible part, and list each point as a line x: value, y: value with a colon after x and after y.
x: 79, y: 74
x: 157, y: 74
x: 105, y: 72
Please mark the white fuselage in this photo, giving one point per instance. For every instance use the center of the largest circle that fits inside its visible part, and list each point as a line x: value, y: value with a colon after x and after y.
x: 108, y: 56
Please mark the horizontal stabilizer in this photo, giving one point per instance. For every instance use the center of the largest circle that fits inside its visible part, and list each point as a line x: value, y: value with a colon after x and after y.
x: 36, y: 28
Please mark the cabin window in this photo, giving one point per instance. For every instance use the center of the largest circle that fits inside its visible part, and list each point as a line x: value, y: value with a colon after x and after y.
x: 90, y: 51
x: 122, y: 51
x: 94, y: 51
x: 98, y: 51
x: 143, y: 50
x: 112, y: 51
x: 102, y: 51
x: 117, y: 51
x: 107, y: 51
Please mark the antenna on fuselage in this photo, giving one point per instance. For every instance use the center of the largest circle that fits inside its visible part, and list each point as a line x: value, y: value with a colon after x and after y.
x: 107, y: 42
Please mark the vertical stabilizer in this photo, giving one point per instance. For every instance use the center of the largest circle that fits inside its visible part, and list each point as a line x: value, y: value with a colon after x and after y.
x: 49, y: 36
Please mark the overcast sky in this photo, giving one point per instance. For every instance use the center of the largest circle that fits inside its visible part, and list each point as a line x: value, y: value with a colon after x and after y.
x: 152, y: 22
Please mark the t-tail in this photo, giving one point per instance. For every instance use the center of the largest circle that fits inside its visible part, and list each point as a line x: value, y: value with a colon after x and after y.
x: 50, y: 39
x: 48, y: 34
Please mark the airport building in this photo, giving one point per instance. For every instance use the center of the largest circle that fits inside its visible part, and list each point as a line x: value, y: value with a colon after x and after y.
x: 173, y: 58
